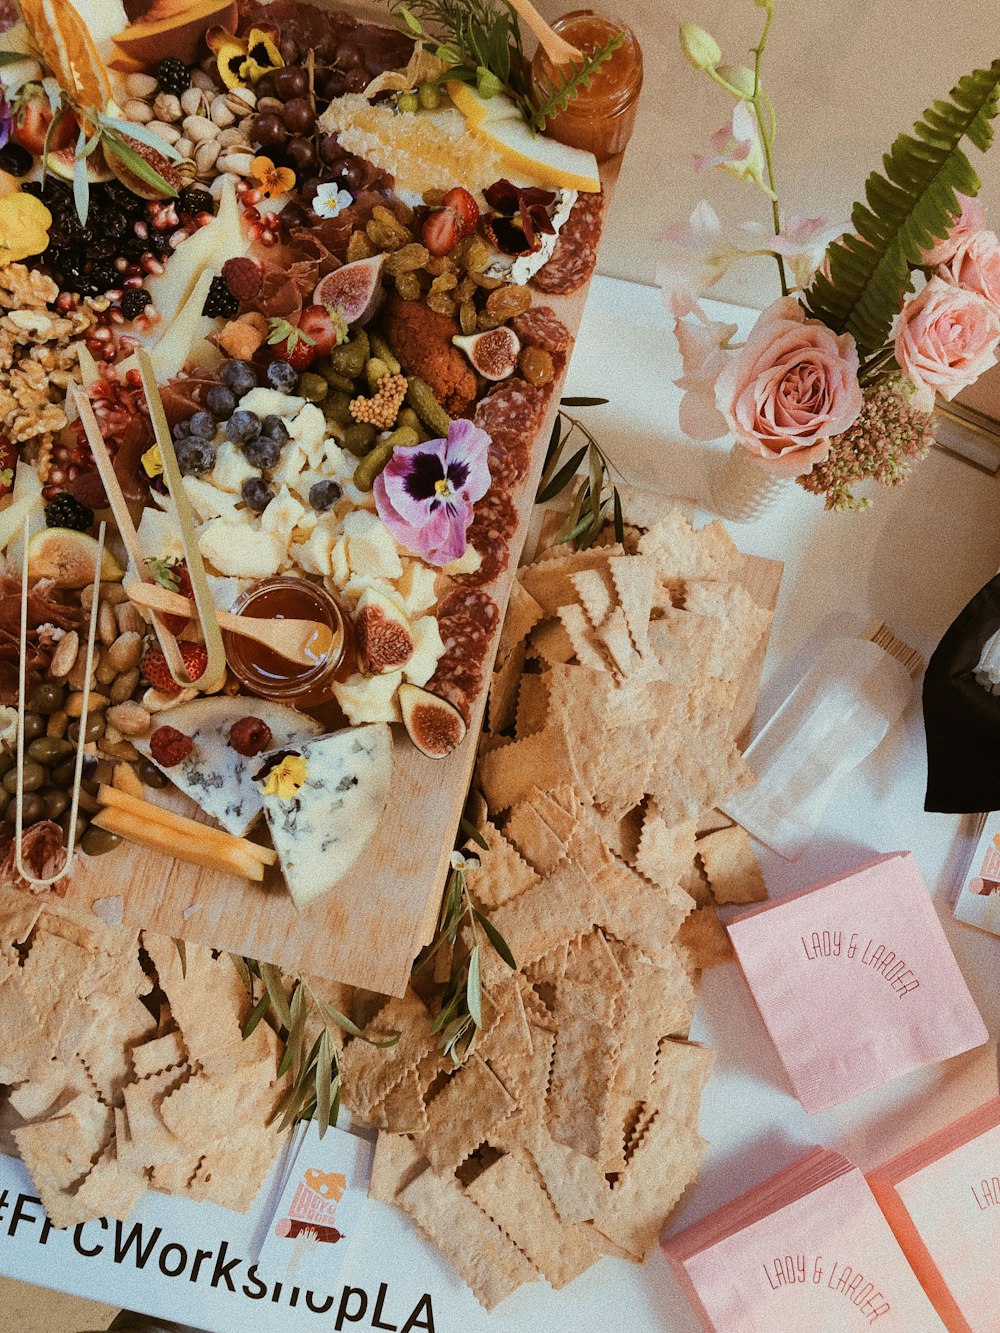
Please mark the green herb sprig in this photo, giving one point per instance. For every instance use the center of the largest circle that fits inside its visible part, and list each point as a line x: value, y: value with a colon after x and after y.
x: 315, y: 1086
x: 460, y: 1015
x: 597, y: 496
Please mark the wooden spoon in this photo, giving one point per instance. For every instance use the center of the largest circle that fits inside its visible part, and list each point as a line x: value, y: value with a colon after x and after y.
x: 307, y: 642
x: 558, y: 51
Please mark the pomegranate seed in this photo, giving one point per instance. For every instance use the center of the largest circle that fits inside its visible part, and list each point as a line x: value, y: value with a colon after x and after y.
x: 252, y: 196
x: 203, y: 219
x: 141, y: 230
x: 57, y: 476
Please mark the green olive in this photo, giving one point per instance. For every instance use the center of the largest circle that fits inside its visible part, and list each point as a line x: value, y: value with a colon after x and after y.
x: 313, y: 388
x: 8, y: 758
x: 32, y: 810
x: 96, y: 841
x: 359, y: 439
x: 34, y: 726
x: 48, y: 750
x: 82, y: 824
x: 34, y: 776
x: 56, y: 802
x: 63, y: 774
x: 95, y: 728
x: 150, y: 775
x: 407, y: 101
x: 48, y: 698
x: 429, y: 96
x: 89, y: 785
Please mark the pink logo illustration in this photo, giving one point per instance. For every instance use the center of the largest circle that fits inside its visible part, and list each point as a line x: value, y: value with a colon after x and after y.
x: 312, y: 1208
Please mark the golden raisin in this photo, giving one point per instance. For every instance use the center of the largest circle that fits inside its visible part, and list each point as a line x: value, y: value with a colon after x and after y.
x: 536, y: 366
x: 467, y: 317
x: 506, y: 302
x: 408, y: 259
x: 359, y: 247
x: 441, y: 303
x: 408, y: 286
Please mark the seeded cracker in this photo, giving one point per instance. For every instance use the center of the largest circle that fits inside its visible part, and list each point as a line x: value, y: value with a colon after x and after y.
x: 503, y: 873
x: 533, y: 837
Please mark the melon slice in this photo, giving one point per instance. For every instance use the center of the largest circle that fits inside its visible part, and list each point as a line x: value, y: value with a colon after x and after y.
x: 174, y: 29
x: 181, y: 340
x: 540, y: 160
x: 216, y: 778
x: 207, y: 248
x: 476, y: 109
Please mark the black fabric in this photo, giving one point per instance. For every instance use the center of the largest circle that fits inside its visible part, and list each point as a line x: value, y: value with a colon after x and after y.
x: 961, y: 719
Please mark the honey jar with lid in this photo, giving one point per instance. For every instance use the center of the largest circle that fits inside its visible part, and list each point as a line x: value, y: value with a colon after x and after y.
x: 600, y: 118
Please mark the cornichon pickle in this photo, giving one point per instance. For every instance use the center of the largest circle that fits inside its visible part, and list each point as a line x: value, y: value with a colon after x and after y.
x: 350, y: 357
x: 96, y: 841
x: 421, y: 398
x: 359, y: 438
x: 381, y: 349
x: 375, y: 370
x: 336, y: 407
x: 336, y: 382
x: 404, y: 437
x: 372, y: 464
x: 313, y: 388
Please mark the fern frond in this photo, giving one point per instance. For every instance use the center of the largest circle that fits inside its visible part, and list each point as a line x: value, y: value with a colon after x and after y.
x: 557, y: 95
x: 906, y: 211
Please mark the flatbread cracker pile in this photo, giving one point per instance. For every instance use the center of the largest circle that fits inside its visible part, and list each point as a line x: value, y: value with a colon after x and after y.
x: 571, y: 1131
x: 128, y: 1071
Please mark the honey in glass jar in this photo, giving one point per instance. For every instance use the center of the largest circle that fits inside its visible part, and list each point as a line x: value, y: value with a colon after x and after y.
x: 600, y: 118
x: 268, y: 674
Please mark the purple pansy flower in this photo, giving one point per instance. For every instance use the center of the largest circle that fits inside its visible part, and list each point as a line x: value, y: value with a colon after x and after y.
x: 6, y: 117
x: 425, y: 494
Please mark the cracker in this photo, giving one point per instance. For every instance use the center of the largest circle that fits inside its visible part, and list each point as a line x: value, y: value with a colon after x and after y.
x: 744, y: 622
x: 559, y: 907
x: 51, y: 1086
x: 503, y: 873
x: 161, y: 1053
x: 461, y: 1117
x: 207, y: 999
x: 523, y: 614
x: 704, y: 940
x: 60, y: 1152
x: 504, y: 688
x: 22, y: 1041
x: 635, y: 910
x: 682, y: 1070
x: 731, y: 866
x: 664, y: 1164
x: 682, y: 552
x: 550, y: 582
x: 550, y: 642
x: 508, y: 774
x: 532, y: 706
x: 585, y: 640
x: 534, y: 839
x: 580, y: 1086
x: 550, y: 967
x: 18, y: 914
x: 664, y: 854
x: 511, y: 1192
x: 110, y: 1189
x: 402, y: 1110
x: 489, y: 1263
x: 596, y: 593
x: 614, y: 635
x: 232, y: 1176
x: 576, y: 1184
x: 150, y: 1141
x: 371, y: 1072
x: 398, y: 1161
x: 634, y: 579
x: 592, y: 985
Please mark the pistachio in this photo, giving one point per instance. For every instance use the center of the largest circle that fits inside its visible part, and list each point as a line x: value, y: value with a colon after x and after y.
x: 107, y: 625
x: 74, y: 704
x: 125, y: 652
x: 143, y: 86
x: 235, y: 137
x: 129, y: 619
x: 199, y: 128
x: 168, y: 133
x: 221, y: 113
x: 241, y: 101
x: 167, y: 107
x: 193, y: 100
x: 236, y: 164
x: 185, y: 147
x: 138, y: 112
x: 65, y: 655
x: 130, y: 719
x: 205, y: 157
x: 199, y: 79
x: 124, y: 687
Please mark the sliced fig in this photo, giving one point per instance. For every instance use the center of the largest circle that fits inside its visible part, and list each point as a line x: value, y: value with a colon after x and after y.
x: 69, y: 558
x: 355, y: 289
x: 136, y: 182
x: 382, y: 636
x: 435, y: 726
x: 493, y: 353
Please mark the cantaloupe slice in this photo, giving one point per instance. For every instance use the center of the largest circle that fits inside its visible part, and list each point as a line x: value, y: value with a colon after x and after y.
x: 540, y: 160
x: 68, y: 49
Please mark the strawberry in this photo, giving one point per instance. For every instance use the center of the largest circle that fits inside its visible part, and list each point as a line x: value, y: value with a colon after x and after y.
x: 291, y: 344
x: 456, y: 218
x: 32, y: 119
x: 154, y: 666
x: 8, y: 465
x: 175, y: 578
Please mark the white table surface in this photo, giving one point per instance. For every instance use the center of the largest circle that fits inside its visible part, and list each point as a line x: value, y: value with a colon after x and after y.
x: 913, y: 560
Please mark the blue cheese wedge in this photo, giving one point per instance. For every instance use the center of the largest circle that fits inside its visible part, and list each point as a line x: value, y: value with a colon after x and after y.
x: 214, y: 775
x: 323, y: 814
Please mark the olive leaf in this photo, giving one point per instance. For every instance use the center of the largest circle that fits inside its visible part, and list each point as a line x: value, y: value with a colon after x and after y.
x: 181, y: 947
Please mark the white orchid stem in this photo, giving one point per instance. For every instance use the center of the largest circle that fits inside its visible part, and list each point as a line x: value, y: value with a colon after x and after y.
x: 759, y: 100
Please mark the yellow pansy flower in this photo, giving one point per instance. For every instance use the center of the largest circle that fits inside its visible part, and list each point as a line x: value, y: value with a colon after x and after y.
x: 273, y: 181
x: 24, y: 227
x: 243, y: 60
x: 152, y: 462
x: 286, y: 777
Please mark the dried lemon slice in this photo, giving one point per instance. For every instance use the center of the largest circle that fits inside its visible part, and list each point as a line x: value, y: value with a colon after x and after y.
x: 68, y: 50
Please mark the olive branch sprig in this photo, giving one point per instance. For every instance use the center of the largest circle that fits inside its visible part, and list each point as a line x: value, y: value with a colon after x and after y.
x: 597, y: 496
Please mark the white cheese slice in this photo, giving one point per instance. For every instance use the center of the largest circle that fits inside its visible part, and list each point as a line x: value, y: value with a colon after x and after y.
x: 320, y: 832
x: 214, y: 775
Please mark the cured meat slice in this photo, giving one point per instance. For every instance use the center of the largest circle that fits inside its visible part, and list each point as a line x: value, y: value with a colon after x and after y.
x: 541, y: 327
x: 512, y: 416
x: 493, y: 527
x: 575, y: 255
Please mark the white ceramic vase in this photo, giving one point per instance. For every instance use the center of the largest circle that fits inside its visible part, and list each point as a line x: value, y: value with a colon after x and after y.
x: 745, y: 489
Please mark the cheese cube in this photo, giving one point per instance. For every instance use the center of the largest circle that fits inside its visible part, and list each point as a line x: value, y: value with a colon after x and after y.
x: 428, y: 648
x: 369, y: 698
x: 281, y: 516
x: 271, y: 403
x: 207, y: 500
x: 371, y: 547
x: 240, y: 549
x: 231, y: 469
x: 416, y: 587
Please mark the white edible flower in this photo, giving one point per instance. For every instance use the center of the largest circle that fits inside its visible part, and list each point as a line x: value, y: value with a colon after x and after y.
x: 331, y: 200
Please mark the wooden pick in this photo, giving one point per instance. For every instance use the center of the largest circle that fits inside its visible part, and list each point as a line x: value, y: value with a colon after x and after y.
x: 560, y: 52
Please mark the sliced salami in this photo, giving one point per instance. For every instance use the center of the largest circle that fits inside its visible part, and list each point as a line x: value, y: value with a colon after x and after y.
x: 512, y: 415
x: 541, y: 327
x: 494, y: 525
x: 575, y: 254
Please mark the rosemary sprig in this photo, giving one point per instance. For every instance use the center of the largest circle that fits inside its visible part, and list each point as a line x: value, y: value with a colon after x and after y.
x: 460, y: 1015
x: 315, y: 1085
x: 596, y: 499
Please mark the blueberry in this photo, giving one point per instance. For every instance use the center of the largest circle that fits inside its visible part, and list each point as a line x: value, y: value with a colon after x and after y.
x: 243, y: 426
x: 240, y: 376
x: 323, y: 495
x: 282, y: 376
x: 203, y: 424
x: 181, y: 431
x: 257, y: 495
x: 275, y: 428
x: 194, y: 456
x: 263, y: 452
x: 221, y: 402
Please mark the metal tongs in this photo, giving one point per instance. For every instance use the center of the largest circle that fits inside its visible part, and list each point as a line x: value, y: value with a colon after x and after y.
x: 203, y: 600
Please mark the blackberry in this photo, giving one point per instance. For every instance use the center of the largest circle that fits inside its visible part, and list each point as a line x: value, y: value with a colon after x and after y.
x: 134, y: 302
x: 191, y: 202
x: 174, y: 76
x: 220, y: 303
x: 66, y: 511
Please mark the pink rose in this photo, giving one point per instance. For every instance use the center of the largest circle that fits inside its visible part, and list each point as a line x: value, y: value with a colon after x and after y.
x: 793, y: 385
x: 976, y: 266
x: 969, y: 222
x: 946, y: 338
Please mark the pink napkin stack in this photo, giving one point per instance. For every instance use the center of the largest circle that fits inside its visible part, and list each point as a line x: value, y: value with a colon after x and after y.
x: 942, y: 1199
x: 807, y: 1250
x: 856, y: 981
